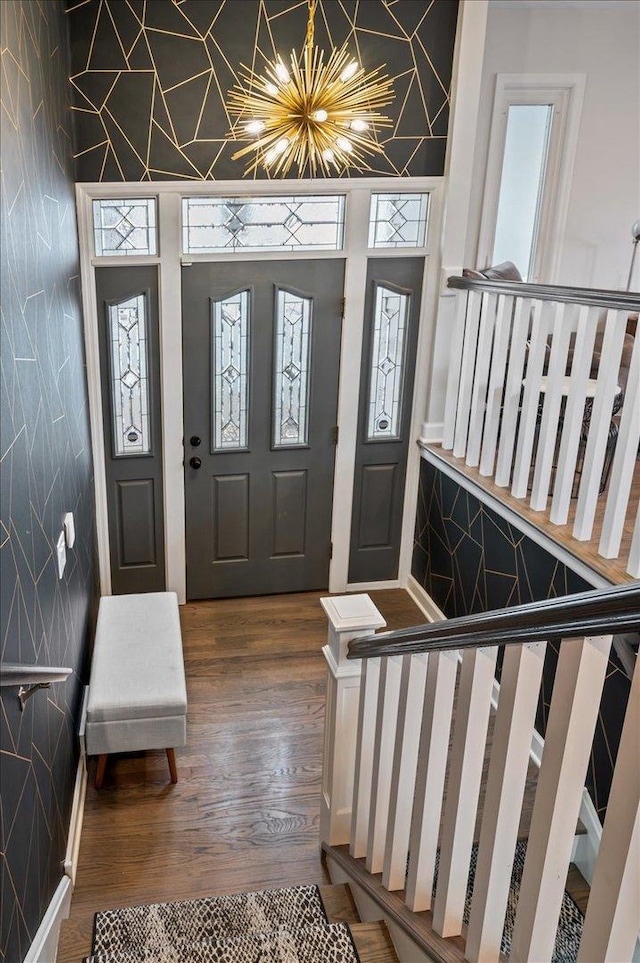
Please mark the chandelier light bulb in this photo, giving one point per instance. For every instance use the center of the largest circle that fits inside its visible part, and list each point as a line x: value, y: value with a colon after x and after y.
x: 271, y: 89
x: 320, y: 115
x: 349, y: 71
x: 344, y: 144
x: 282, y: 72
x: 254, y: 127
x: 281, y: 146
x: 328, y: 155
x: 359, y: 125
x: 270, y: 156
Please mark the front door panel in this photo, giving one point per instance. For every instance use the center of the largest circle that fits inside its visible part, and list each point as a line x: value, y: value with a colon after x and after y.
x: 130, y: 376
x: 392, y: 314
x: 261, y: 362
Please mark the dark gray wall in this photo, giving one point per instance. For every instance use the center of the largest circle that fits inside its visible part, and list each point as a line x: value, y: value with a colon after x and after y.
x: 469, y: 559
x: 46, y: 462
x: 150, y: 79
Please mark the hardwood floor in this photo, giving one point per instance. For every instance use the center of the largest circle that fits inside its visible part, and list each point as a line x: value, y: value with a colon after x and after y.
x: 244, y: 813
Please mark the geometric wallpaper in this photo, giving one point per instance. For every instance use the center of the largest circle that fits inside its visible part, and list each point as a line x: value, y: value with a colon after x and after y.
x: 46, y: 467
x: 469, y: 559
x: 149, y: 80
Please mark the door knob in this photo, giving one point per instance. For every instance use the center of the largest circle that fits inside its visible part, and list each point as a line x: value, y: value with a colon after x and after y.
x: 194, y: 441
x: 195, y: 462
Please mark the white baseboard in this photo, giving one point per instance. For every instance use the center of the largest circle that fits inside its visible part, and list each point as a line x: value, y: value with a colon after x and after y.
x: 45, y: 944
x: 372, y: 586
x: 75, y: 823
x: 424, y: 601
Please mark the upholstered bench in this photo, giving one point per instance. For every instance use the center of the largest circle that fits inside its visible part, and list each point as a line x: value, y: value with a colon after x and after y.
x: 137, y: 691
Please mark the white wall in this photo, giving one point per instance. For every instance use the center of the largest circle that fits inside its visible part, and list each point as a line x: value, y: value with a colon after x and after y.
x: 603, y: 42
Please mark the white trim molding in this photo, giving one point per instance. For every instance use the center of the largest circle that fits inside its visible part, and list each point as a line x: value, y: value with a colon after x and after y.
x: 565, y: 92
x: 45, y: 943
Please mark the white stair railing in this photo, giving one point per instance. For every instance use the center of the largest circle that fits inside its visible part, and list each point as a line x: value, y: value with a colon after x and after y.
x: 419, y: 777
x: 533, y: 400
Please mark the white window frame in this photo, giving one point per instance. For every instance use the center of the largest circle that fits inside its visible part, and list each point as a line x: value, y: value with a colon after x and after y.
x: 565, y: 92
x: 355, y: 253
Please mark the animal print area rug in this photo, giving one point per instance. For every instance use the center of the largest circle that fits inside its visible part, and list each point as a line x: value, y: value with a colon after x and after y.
x: 274, y: 926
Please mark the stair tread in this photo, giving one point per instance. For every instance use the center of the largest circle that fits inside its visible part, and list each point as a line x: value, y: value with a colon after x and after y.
x: 339, y: 904
x: 319, y: 941
x: 373, y: 943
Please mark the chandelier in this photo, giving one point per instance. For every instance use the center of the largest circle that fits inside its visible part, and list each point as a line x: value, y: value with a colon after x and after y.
x: 320, y: 117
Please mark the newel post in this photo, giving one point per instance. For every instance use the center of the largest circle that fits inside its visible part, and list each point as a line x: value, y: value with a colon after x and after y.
x: 349, y: 616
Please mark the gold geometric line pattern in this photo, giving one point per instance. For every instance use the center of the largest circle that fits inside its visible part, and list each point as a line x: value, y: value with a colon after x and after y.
x: 149, y: 80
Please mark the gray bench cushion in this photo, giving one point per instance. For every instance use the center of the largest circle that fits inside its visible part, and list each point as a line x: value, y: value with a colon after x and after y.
x: 138, y: 670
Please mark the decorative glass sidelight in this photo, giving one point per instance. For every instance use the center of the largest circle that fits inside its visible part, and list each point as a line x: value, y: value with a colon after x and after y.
x: 124, y: 226
x: 128, y: 348
x: 291, y: 369
x: 398, y: 220
x: 386, y: 375
x: 230, y: 364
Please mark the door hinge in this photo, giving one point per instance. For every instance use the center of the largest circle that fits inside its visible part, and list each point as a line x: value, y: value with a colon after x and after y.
x: 330, y: 549
x: 342, y: 307
x: 335, y: 433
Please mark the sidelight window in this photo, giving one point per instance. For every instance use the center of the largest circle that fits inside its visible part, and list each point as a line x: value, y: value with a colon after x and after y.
x: 386, y: 374
x: 129, y: 364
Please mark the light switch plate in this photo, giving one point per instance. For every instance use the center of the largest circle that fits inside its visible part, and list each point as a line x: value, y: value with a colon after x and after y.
x: 61, y: 554
x: 69, y: 529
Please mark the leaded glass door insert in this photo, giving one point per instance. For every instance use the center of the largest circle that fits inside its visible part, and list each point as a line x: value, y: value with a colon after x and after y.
x: 291, y: 369
x: 230, y: 343
x: 259, y: 484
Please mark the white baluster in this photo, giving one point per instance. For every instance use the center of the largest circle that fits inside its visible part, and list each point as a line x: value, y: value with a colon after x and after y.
x: 513, y: 391
x: 554, y: 385
x: 453, y: 378
x: 349, y: 616
x: 433, y: 753
x: 469, y: 350
x: 612, y: 920
x: 531, y: 397
x: 624, y: 463
x: 465, y: 772
x: 385, y: 735
x: 508, y: 766
x: 600, y: 423
x: 403, y: 777
x: 633, y: 566
x: 481, y: 378
x: 580, y: 674
x: 367, y: 707
x: 574, y: 414
x: 495, y: 390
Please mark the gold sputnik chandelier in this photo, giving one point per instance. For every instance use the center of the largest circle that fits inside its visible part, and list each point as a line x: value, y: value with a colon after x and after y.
x: 320, y: 117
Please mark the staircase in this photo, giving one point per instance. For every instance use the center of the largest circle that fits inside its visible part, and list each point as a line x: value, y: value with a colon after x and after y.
x: 302, y: 924
x: 424, y: 794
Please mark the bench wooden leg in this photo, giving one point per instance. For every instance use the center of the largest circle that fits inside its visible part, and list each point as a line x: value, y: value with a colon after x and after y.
x: 102, y: 765
x: 173, y: 769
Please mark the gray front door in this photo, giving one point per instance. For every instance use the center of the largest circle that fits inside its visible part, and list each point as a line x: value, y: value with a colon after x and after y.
x: 261, y: 362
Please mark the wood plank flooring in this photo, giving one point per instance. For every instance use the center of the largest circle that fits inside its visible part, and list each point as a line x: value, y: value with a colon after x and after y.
x: 613, y: 569
x: 244, y: 814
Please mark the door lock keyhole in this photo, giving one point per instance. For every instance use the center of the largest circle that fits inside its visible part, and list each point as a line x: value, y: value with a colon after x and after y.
x: 195, y: 462
x: 194, y: 441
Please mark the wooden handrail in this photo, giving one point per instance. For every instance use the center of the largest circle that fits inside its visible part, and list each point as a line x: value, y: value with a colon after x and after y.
x: 617, y: 300
x: 599, y: 612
